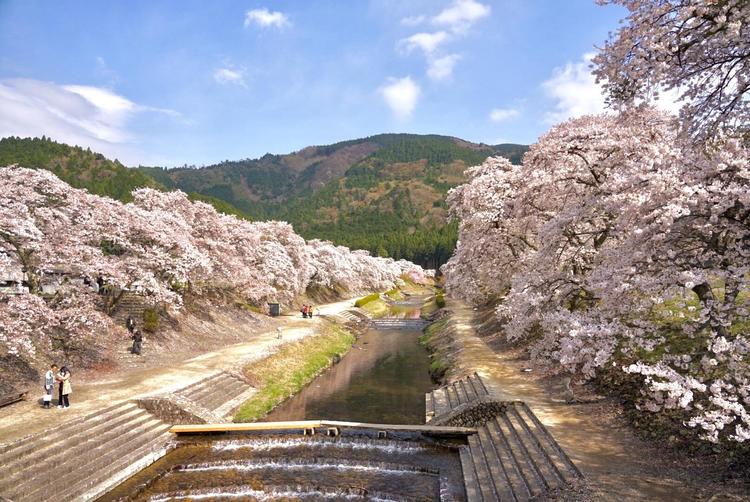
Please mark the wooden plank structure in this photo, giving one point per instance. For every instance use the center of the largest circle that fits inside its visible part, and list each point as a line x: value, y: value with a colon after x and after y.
x: 311, y: 425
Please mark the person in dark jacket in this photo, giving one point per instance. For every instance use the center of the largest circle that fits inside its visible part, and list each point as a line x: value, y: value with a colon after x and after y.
x: 137, y: 342
x: 130, y: 324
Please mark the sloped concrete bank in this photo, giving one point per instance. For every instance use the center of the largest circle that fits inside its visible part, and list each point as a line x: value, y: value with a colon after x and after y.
x: 616, y: 463
x: 94, y: 452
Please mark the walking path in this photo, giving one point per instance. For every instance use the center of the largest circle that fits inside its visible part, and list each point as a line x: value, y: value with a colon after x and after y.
x: 617, y: 464
x: 27, y: 417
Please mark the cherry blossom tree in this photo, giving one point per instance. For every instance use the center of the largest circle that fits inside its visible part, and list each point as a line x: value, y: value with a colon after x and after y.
x: 696, y: 49
x: 161, y: 246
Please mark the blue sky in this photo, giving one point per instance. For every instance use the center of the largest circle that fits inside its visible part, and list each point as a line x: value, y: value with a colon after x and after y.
x: 173, y: 82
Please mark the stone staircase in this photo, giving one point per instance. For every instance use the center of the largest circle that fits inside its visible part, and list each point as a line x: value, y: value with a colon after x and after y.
x: 221, y: 393
x: 513, y: 456
x: 129, y: 304
x: 444, y: 399
x: 353, y: 315
x: 81, y: 458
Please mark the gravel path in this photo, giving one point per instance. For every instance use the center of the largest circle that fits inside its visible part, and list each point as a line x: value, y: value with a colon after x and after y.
x: 619, y: 465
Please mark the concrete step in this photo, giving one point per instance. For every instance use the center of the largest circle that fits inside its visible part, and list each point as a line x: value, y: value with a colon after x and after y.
x: 500, y: 479
x: 200, y: 388
x: 484, y: 476
x: 514, y: 457
x: 553, y: 453
x: 82, y: 462
x: 471, y: 483
x: 225, y: 392
x: 446, y: 398
x: 118, y: 469
x: 73, y: 470
x: 48, y: 453
x: 16, y: 449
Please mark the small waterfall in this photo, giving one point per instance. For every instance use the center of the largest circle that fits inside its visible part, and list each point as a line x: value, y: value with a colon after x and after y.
x: 306, y: 464
x: 275, y: 493
x: 267, y: 444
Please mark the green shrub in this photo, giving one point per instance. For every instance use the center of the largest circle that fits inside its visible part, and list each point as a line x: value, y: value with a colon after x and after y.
x: 111, y: 248
x: 440, y: 300
x: 367, y: 299
x: 150, y: 320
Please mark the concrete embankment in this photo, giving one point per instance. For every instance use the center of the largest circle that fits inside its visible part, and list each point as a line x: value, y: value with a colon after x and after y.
x: 98, y: 446
x: 617, y: 464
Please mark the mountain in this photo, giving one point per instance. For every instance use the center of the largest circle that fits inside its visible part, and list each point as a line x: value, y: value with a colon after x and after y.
x: 384, y: 193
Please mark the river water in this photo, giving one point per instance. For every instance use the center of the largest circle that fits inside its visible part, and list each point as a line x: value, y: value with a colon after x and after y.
x: 383, y: 379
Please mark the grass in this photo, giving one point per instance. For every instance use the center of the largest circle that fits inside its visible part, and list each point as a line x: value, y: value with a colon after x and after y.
x: 395, y: 294
x: 286, y: 372
x: 438, y: 362
x: 440, y: 300
x: 367, y: 299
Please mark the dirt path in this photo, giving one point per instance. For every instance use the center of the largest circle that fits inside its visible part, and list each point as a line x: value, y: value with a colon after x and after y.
x: 619, y: 465
x: 92, y: 393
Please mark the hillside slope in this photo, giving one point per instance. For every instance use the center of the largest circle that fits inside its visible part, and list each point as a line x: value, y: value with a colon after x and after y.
x: 383, y: 193
x: 78, y: 167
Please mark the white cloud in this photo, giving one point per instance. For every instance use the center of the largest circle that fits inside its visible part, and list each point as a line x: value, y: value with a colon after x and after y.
x: 455, y: 21
x: 442, y: 68
x: 461, y: 15
x: 230, y: 76
x: 501, y: 114
x: 81, y: 115
x: 266, y: 18
x: 575, y: 90
x: 401, y: 96
x: 427, y: 42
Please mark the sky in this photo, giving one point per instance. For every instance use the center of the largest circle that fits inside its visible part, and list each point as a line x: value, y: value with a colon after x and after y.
x: 197, y: 82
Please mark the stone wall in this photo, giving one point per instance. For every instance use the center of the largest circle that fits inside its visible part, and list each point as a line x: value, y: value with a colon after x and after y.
x: 176, y: 409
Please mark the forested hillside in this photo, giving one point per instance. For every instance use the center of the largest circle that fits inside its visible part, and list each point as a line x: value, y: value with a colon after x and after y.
x: 78, y: 167
x: 384, y: 193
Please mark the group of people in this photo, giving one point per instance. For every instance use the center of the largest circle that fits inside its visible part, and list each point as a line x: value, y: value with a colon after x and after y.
x: 62, y: 380
x: 136, y: 335
x: 307, y: 311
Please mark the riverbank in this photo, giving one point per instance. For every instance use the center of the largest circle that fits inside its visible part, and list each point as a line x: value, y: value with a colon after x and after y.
x: 287, y: 371
x: 220, y: 341
x: 617, y: 464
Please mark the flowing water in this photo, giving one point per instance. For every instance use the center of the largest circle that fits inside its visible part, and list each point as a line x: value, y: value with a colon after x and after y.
x: 383, y: 379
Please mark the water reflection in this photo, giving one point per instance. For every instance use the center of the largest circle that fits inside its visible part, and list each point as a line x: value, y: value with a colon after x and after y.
x: 383, y: 379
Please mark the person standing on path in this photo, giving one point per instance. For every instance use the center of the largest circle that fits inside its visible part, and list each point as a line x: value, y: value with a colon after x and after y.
x: 49, y: 386
x: 130, y: 324
x: 65, y: 388
x: 137, y: 342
